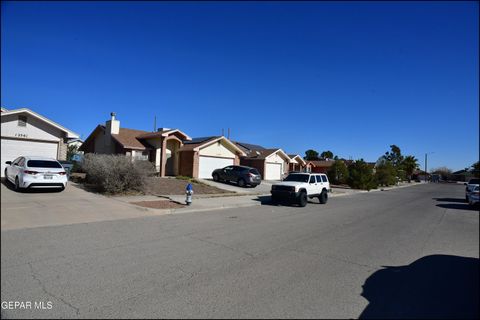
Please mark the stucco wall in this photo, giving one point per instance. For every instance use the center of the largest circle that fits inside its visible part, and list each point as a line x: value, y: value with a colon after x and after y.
x: 276, y: 158
x: 218, y: 149
x: 35, y: 129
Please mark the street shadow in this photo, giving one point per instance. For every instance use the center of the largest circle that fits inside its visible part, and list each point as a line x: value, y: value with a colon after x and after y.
x: 432, y: 287
x: 459, y: 206
x: 267, y: 201
x: 457, y: 200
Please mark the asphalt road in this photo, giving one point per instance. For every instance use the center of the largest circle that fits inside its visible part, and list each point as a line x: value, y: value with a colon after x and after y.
x: 411, y: 252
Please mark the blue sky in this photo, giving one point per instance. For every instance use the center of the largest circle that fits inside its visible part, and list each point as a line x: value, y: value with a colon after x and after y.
x: 352, y: 78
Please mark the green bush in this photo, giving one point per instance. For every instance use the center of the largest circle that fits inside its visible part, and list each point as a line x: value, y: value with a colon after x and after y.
x: 361, y: 176
x: 114, y: 174
x: 385, y: 174
x: 338, y: 172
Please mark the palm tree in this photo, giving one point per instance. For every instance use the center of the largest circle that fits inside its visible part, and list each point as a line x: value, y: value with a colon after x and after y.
x: 409, y: 164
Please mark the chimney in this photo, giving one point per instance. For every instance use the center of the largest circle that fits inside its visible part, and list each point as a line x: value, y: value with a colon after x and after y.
x: 112, y: 125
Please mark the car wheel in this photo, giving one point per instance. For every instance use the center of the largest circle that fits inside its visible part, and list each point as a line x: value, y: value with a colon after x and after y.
x: 323, y: 197
x: 241, y: 183
x: 302, y: 200
x: 215, y: 177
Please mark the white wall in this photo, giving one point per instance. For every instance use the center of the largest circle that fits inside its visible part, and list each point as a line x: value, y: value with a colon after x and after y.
x: 35, y: 129
x: 217, y: 149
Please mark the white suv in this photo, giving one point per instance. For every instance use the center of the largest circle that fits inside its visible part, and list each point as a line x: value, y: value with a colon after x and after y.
x: 298, y: 187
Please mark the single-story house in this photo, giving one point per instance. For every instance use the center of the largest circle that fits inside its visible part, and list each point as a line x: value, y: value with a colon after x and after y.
x: 297, y: 163
x: 27, y: 133
x: 200, y: 156
x: 271, y: 163
x: 321, y: 166
x: 160, y: 147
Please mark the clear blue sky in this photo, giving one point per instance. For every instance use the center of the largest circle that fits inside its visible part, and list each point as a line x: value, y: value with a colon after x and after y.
x: 352, y: 78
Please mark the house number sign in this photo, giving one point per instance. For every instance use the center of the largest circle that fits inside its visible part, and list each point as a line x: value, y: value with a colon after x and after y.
x: 21, y: 135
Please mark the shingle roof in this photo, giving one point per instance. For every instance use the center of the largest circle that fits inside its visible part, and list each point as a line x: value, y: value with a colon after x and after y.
x: 322, y: 163
x: 195, y: 142
x: 248, y: 146
x: 128, y: 138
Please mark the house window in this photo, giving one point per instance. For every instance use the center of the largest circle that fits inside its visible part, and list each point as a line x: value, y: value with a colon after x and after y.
x: 22, y: 121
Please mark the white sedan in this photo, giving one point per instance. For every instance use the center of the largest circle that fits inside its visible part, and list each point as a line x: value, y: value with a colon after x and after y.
x: 36, y: 172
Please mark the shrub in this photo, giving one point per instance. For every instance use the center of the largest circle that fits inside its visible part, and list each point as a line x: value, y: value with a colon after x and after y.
x: 361, y: 176
x: 116, y: 173
x: 385, y: 174
x: 338, y: 172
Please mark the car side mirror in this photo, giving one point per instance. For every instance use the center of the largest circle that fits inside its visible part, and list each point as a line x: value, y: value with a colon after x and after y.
x: 8, y: 162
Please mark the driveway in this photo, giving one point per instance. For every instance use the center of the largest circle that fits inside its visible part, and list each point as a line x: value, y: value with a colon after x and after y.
x: 74, y: 205
x: 263, y: 188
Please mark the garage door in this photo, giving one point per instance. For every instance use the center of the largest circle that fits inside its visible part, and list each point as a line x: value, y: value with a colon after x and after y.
x: 12, y: 149
x: 206, y: 165
x: 273, y: 171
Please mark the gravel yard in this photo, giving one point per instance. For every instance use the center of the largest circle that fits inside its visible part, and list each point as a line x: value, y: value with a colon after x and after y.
x: 173, y: 186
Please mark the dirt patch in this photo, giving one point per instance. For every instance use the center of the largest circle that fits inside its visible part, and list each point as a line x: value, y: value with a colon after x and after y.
x: 172, y: 186
x: 159, y: 204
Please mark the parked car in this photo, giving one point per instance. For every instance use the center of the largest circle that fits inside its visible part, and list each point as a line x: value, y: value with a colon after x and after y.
x: 474, y: 196
x: 298, y: 187
x: 242, y: 175
x: 36, y: 172
x: 470, y: 186
x: 68, y: 165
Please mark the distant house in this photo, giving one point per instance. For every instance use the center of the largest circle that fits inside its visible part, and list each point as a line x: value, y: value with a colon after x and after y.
x: 271, y: 163
x: 27, y: 133
x: 200, y: 156
x: 321, y: 166
x: 77, y: 142
x: 297, y: 163
x: 160, y: 147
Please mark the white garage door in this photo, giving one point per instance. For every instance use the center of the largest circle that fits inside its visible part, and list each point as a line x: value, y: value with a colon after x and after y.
x: 273, y: 171
x: 12, y: 149
x: 206, y: 165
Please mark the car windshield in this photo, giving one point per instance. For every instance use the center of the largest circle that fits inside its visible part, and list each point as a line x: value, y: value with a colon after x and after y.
x: 474, y: 181
x: 297, y: 177
x: 43, y: 164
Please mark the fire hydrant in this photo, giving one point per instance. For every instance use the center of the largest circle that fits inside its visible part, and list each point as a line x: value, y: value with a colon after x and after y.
x: 189, y: 193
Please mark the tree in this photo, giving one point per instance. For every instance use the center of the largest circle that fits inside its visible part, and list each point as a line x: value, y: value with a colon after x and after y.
x: 338, y: 172
x: 361, y: 176
x: 311, y: 155
x: 409, y: 164
x: 442, y: 171
x: 394, y: 156
x: 71, y: 151
x: 476, y: 169
x: 327, y: 155
x: 385, y: 173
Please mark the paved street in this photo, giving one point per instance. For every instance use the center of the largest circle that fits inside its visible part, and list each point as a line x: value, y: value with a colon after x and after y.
x: 410, y: 252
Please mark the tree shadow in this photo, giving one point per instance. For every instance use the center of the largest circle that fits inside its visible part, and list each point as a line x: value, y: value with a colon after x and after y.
x: 435, y: 287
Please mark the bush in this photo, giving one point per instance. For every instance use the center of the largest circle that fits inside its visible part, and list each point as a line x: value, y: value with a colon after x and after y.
x: 338, y: 172
x: 116, y: 173
x: 361, y: 176
x: 385, y: 174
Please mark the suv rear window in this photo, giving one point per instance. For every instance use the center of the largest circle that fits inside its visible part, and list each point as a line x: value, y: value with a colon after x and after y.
x: 43, y: 164
x: 474, y: 181
x: 254, y: 171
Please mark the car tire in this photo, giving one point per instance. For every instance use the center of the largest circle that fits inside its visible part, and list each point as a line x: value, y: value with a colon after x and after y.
x: 466, y: 199
x: 323, y: 197
x: 302, y: 199
x: 215, y: 177
x: 241, y: 182
x: 275, y: 200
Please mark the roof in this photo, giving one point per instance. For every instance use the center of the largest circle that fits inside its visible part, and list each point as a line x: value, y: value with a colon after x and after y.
x: 201, y: 140
x: 128, y: 138
x: 264, y: 153
x: 164, y: 133
x: 70, y: 134
x: 196, y: 143
x: 249, y: 146
x: 322, y: 163
x: 297, y: 156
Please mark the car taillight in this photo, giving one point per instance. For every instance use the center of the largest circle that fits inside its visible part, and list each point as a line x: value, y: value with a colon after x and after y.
x: 30, y: 172
x: 62, y: 173
x: 251, y: 174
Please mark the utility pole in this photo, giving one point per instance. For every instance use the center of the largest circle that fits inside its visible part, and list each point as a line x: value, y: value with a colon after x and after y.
x: 155, y: 123
x: 425, y: 168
